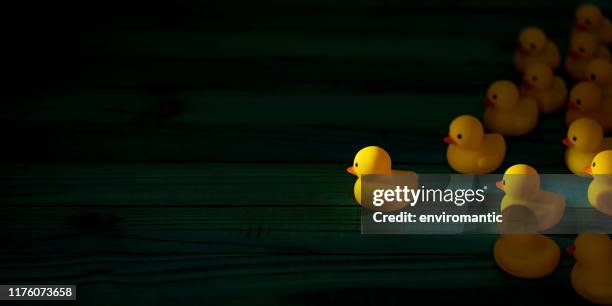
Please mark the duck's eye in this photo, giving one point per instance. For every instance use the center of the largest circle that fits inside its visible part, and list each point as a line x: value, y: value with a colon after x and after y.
x: 356, y: 165
x: 578, y: 102
x: 588, y: 22
x: 593, y: 164
x: 494, y: 97
x: 593, y: 77
x: 459, y: 136
x: 581, y: 49
x: 534, y: 79
x: 503, y: 182
x: 532, y: 45
x: 574, y: 138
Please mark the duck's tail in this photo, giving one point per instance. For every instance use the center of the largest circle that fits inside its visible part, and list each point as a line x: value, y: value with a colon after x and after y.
x: 604, y: 203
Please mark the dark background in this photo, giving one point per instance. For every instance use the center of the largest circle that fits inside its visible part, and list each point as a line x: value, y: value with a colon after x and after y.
x: 193, y: 152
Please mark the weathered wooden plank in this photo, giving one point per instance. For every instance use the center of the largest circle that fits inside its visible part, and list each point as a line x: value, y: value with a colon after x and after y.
x: 94, y: 238
x: 139, y: 268
x: 235, y: 185
x: 179, y: 229
x: 161, y: 76
x: 194, y: 45
x: 87, y: 143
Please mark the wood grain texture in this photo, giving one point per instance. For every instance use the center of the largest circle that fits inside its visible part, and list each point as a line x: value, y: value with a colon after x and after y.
x: 194, y: 152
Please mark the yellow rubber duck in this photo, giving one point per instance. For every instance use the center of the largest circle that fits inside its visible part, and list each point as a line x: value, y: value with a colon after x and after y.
x: 592, y: 273
x: 534, y: 46
x: 599, y: 71
x: 584, y: 47
x: 590, y: 19
x: 600, y: 189
x: 584, y: 140
x: 507, y: 112
x: 375, y: 160
x: 521, y: 184
x: 520, y: 251
x: 587, y: 100
x: 548, y: 89
x: 472, y: 151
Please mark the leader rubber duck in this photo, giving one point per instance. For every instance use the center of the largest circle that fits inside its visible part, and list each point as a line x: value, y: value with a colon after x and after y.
x: 590, y: 19
x: 521, y: 184
x: 587, y: 100
x: 600, y: 189
x: 534, y: 46
x: 591, y: 275
x: 584, y: 140
x: 472, y: 151
x: 583, y: 48
x: 599, y: 71
x: 520, y: 251
x: 507, y: 112
x: 375, y: 160
x: 548, y: 89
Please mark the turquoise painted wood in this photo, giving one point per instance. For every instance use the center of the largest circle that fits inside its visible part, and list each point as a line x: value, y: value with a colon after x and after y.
x: 195, y: 152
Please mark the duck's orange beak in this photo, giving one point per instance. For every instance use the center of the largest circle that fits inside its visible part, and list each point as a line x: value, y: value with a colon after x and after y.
x: 499, y: 185
x: 522, y: 50
x: 579, y: 26
x: 488, y: 102
x: 351, y: 170
x: 571, y: 105
x: 567, y: 142
x: 449, y: 140
x: 571, y: 250
x: 588, y: 170
x: 527, y: 84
